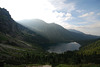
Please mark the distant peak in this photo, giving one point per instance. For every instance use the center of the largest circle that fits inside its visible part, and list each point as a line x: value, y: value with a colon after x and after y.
x: 39, y: 20
x: 33, y: 21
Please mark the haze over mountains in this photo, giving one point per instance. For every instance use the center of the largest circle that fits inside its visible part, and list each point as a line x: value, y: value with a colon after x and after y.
x: 54, y: 32
x: 76, y: 31
x: 37, y: 31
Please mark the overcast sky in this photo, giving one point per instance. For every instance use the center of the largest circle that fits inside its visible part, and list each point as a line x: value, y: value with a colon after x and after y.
x: 82, y: 15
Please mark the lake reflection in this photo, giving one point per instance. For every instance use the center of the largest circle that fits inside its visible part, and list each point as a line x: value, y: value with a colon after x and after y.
x: 63, y: 47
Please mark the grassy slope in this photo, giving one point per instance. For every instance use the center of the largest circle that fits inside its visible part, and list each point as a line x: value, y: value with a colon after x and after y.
x: 91, y: 48
x: 11, y: 48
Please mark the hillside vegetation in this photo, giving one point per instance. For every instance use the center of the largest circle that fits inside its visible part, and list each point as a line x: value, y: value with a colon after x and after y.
x: 92, y: 48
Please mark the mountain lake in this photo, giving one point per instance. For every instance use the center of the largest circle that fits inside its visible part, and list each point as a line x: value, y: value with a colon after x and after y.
x: 63, y: 47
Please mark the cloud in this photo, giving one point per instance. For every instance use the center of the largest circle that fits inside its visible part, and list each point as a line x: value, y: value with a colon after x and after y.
x: 57, y: 11
x: 83, y: 23
x: 89, y: 29
x: 68, y: 16
x: 80, y: 11
x: 96, y: 24
x: 41, y: 9
x: 93, y: 29
x: 47, y: 10
x: 90, y: 17
x: 87, y: 14
x: 61, y: 5
x: 98, y: 13
x: 92, y: 24
x: 84, y: 15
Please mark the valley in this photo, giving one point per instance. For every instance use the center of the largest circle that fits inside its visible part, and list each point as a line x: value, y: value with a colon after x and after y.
x: 37, y: 42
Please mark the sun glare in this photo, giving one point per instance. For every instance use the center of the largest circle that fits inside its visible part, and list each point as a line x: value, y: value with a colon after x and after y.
x: 28, y: 9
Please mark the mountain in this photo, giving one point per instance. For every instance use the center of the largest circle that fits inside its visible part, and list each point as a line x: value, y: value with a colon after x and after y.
x: 51, y: 31
x: 76, y: 31
x: 14, y: 36
x: 54, y: 32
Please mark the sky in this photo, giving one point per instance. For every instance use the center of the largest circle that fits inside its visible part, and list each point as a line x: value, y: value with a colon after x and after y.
x: 82, y: 15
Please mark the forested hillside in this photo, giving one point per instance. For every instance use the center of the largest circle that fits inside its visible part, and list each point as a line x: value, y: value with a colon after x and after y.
x: 92, y: 48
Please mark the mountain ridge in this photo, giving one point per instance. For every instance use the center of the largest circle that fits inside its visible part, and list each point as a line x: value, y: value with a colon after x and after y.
x: 54, y: 32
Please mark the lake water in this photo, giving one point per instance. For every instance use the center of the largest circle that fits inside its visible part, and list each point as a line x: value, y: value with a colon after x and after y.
x: 63, y: 47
